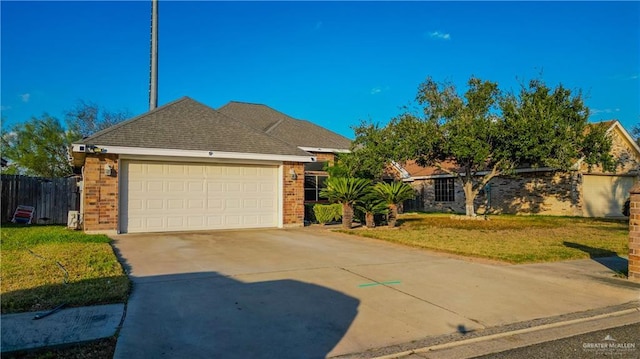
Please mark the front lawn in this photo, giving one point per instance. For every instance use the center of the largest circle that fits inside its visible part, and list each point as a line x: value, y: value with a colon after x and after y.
x: 38, y: 260
x: 513, y: 239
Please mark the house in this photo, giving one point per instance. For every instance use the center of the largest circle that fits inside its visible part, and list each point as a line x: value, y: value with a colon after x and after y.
x: 187, y: 166
x: 580, y: 192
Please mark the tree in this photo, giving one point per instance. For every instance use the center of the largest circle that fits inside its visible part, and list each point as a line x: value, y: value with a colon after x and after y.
x: 371, y: 205
x: 368, y: 157
x: 38, y: 147
x: 345, y: 191
x: 393, y: 194
x: 87, y: 118
x: 482, y: 134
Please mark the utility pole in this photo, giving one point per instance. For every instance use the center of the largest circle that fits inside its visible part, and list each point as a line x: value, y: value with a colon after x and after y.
x: 153, y: 76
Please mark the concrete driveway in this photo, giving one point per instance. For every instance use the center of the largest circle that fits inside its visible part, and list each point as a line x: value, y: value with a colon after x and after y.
x: 310, y: 293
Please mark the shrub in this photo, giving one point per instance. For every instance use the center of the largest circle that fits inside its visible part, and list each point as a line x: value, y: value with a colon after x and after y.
x: 326, y: 213
x: 626, y: 207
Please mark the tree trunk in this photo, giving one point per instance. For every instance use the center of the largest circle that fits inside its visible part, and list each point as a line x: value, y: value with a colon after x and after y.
x: 469, y: 197
x: 369, y: 220
x: 393, y: 215
x: 347, y: 216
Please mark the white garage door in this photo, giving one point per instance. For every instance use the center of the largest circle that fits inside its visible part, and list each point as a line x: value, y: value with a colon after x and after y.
x: 167, y: 196
x: 604, y: 196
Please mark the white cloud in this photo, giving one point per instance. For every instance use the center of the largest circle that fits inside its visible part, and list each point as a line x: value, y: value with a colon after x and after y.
x: 595, y: 111
x: 318, y: 25
x: 439, y: 35
x: 5, y: 108
x: 25, y: 97
x: 376, y: 90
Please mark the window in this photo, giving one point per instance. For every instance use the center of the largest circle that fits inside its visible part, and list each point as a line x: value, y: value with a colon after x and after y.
x: 445, y: 189
x: 313, y: 184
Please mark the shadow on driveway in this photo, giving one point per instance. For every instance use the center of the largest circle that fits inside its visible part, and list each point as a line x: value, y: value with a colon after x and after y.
x: 206, y: 315
x: 607, y: 258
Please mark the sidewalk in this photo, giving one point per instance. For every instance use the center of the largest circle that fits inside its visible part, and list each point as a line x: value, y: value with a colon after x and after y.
x: 66, y: 326
x: 512, y: 336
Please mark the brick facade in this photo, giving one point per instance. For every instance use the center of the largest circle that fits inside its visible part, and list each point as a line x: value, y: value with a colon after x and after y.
x: 100, y: 192
x: 551, y: 193
x: 324, y: 157
x: 293, y: 193
x: 634, y: 234
x: 541, y: 192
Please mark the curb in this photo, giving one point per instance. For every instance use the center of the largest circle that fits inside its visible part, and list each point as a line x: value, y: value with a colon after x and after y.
x: 66, y: 327
x: 467, y: 342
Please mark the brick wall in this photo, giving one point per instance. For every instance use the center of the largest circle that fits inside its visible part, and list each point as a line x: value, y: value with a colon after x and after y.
x: 550, y: 193
x: 634, y: 234
x: 324, y: 157
x: 293, y: 192
x: 100, y: 193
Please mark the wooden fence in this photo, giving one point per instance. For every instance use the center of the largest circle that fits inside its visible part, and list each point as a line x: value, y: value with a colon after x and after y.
x: 52, y: 198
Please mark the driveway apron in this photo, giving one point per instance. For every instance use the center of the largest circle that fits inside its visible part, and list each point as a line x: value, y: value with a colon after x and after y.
x: 308, y: 293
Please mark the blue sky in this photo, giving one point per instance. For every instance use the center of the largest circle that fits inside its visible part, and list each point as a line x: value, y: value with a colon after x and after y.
x: 333, y: 63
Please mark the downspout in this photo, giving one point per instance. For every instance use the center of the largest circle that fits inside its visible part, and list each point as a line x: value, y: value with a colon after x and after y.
x: 81, y: 216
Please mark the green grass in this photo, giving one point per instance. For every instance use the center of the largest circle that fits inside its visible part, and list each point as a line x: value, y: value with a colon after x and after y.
x: 513, y: 239
x: 32, y: 280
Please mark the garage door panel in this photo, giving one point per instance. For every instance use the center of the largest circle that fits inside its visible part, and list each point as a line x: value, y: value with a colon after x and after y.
x: 250, y: 204
x: 154, y: 223
x: 195, y: 187
x: 152, y: 169
x: 155, y: 204
x: 215, y: 204
x: 175, y: 186
x: 234, y: 187
x: 155, y: 186
x: 195, y: 204
x: 176, y: 222
x: 175, y: 204
x: 165, y: 196
x: 232, y: 204
x: 604, y: 196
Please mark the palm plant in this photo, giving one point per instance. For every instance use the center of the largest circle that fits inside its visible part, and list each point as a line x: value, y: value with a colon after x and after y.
x: 393, y: 194
x: 345, y: 191
x: 371, y: 205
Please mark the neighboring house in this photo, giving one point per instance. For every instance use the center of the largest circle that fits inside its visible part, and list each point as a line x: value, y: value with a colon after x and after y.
x: 186, y: 166
x: 580, y: 192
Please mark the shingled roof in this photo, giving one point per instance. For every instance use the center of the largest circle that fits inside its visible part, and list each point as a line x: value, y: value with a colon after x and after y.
x: 296, y: 132
x: 186, y: 124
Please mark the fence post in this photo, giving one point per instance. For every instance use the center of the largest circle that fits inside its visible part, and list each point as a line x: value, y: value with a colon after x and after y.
x: 634, y: 234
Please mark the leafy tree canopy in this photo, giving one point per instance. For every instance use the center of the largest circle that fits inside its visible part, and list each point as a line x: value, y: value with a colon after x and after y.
x: 39, y: 147
x: 486, y: 131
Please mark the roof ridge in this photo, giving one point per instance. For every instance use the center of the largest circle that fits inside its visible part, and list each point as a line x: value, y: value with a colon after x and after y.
x: 126, y: 122
x: 274, y: 125
x: 256, y: 130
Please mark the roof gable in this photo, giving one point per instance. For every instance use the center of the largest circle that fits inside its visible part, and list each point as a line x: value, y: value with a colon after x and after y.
x: 186, y: 124
x: 296, y: 132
